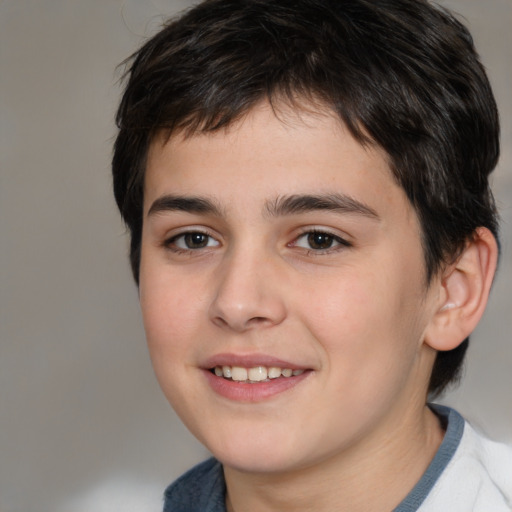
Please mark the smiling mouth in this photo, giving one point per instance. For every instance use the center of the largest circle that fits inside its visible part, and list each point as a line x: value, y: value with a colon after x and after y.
x: 255, y: 374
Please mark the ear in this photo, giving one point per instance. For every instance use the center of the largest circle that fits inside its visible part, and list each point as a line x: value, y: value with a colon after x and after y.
x: 463, y: 292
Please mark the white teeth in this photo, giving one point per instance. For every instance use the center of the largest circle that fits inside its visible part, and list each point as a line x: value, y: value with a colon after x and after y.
x: 254, y: 374
x: 257, y: 374
x: 238, y: 373
x: 274, y: 372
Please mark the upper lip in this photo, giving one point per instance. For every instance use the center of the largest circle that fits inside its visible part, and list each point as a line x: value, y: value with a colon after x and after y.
x: 250, y: 361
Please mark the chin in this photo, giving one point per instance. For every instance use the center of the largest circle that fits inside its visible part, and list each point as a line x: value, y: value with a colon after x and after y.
x: 253, y: 453
x: 257, y: 462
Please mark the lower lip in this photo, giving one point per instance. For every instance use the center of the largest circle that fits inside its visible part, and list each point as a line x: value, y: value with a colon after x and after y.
x: 254, y: 392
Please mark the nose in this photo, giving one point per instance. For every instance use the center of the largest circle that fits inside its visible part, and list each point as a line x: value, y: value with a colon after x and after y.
x: 249, y: 293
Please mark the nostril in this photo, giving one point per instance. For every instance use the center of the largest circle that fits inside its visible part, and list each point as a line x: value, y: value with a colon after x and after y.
x: 258, y: 319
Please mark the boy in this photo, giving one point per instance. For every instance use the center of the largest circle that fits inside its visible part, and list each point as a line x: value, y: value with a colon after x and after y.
x: 314, y: 239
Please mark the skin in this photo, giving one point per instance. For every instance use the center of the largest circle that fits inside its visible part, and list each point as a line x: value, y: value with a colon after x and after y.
x: 355, y: 433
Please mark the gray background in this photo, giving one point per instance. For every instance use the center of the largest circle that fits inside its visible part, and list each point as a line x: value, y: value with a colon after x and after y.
x: 83, y: 425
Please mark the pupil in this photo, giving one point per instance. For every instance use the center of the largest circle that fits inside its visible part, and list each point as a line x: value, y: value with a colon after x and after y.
x: 195, y: 240
x: 320, y: 240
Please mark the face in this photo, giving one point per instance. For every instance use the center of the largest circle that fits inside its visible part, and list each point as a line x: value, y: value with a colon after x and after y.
x: 278, y: 247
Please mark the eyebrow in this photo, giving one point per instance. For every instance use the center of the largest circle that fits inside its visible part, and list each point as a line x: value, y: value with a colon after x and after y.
x: 281, y: 206
x: 341, y: 203
x: 199, y: 205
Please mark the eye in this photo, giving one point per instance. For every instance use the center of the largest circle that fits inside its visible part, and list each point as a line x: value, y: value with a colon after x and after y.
x: 192, y: 240
x: 319, y: 241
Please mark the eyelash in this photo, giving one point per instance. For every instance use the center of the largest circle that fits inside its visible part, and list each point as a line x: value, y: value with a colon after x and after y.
x: 170, y: 243
x: 340, y: 243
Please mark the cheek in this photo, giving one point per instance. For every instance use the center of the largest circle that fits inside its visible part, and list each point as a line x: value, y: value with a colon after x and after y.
x: 169, y: 310
x: 368, y: 324
x: 171, y: 325
x: 350, y: 307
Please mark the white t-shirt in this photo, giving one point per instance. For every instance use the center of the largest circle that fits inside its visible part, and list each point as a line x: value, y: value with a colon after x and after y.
x: 468, y: 473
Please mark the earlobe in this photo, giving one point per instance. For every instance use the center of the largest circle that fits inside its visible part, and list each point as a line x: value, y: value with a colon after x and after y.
x: 464, y: 290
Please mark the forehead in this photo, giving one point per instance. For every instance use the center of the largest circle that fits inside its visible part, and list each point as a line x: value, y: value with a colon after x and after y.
x: 265, y: 132
x: 268, y: 153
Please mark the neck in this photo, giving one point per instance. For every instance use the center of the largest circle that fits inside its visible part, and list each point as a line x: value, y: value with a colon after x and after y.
x: 373, y: 475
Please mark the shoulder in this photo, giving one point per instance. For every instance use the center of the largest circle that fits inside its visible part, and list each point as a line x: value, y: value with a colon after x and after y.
x: 478, y: 477
x: 201, y: 489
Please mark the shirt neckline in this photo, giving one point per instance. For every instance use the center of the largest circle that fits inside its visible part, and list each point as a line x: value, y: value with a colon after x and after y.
x: 454, y: 429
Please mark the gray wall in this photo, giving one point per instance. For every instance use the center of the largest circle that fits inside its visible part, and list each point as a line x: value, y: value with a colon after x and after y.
x: 83, y: 425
